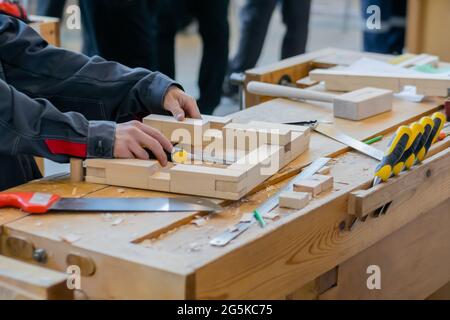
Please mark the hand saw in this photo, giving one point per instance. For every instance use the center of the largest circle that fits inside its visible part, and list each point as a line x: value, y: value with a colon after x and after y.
x: 39, y: 203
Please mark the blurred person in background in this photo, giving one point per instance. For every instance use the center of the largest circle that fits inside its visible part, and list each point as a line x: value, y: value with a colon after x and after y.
x: 212, y: 17
x: 390, y: 39
x: 255, y: 19
x: 117, y: 30
x: 55, y: 8
x: 123, y: 31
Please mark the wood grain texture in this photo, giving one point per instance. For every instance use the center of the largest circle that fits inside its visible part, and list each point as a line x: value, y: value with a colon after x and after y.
x: 405, y: 274
x: 21, y: 281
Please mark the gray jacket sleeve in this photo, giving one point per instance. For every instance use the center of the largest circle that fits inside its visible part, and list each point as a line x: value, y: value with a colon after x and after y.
x: 36, y: 127
x: 73, y: 88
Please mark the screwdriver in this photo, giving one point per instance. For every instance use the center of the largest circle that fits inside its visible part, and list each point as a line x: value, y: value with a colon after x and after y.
x: 409, y: 157
x: 427, y: 124
x: 439, y: 120
x: 399, y: 143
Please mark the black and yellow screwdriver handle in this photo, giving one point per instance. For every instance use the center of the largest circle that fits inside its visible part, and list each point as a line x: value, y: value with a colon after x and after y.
x: 439, y: 120
x: 427, y: 124
x: 399, y: 143
x: 409, y: 157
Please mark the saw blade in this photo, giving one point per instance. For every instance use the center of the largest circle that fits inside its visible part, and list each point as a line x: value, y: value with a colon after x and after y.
x: 362, y: 147
x: 181, y: 204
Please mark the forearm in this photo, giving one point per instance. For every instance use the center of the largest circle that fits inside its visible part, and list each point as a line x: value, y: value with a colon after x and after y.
x: 36, y: 127
x: 67, y: 78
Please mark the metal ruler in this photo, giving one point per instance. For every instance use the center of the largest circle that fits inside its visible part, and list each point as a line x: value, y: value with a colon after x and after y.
x: 362, y: 147
x: 269, y: 205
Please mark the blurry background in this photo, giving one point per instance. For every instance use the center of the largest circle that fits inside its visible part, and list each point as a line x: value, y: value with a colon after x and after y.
x: 334, y: 23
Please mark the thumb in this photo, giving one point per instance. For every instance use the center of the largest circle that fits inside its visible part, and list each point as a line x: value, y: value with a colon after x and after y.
x: 176, y: 110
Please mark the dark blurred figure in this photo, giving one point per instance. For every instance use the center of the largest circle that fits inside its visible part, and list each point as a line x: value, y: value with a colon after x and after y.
x: 390, y: 39
x: 255, y: 19
x: 51, y: 8
x: 212, y: 17
x: 117, y: 30
x: 55, y: 8
x: 124, y: 31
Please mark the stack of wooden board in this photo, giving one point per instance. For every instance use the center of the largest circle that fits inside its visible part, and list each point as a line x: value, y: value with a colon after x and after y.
x: 305, y: 190
x: 258, y: 149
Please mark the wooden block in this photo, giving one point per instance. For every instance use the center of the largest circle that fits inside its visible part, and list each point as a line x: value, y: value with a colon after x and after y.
x: 324, y: 171
x: 311, y: 186
x: 220, y: 174
x: 96, y: 163
x: 160, y: 181
x: 294, y: 200
x: 97, y: 180
x: 326, y: 182
x: 217, y: 123
x: 76, y: 170
x: 130, y: 173
x: 258, y: 134
x: 363, y: 103
x: 341, y: 80
x: 201, y: 181
x: 315, y: 185
x: 306, y: 83
x: 228, y: 186
x: 96, y: 172
x: 189, y: 131
x: 298, y: 146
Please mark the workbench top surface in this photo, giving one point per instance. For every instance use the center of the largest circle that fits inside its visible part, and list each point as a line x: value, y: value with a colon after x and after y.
x: 175, y: 253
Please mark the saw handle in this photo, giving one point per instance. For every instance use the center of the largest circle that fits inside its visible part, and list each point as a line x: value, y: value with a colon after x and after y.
x: 277, y: 91
x: 30, y: 202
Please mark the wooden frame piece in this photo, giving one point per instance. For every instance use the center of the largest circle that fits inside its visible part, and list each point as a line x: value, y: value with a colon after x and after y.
x: 271, y: 147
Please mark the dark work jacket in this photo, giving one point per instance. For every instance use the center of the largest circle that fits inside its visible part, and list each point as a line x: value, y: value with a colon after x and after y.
x: 59, y: 104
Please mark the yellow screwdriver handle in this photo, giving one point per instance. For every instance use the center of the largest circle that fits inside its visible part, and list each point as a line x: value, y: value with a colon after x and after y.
x: 427, y: 124
x: 439, y: 120
x: 400, y: 142
x: 409, y: 157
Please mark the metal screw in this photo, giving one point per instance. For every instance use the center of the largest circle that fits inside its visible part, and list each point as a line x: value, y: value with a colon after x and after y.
x: 40, y: 255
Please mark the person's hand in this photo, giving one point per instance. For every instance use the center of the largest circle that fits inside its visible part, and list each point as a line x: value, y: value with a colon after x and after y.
x: 180, y: 104
x: 132, y: 137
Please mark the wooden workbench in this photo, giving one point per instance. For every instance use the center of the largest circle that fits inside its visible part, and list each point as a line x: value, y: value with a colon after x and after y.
x: 306, y: 254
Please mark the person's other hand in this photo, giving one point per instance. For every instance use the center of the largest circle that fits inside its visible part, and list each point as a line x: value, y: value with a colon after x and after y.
x: 132, y: 137
x: 180, y: 104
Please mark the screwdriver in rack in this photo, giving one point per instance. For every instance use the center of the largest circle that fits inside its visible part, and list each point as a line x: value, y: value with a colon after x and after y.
x: 409, y: 156
x: 439, y: 120
x: 401, y: 141
x: 427, y: 124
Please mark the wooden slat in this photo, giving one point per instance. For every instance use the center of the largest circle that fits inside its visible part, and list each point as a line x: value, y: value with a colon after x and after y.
x: 20, y: 281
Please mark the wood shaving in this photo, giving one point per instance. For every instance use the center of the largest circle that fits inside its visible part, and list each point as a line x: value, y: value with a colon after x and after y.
x: 117, y: 222
x: 70, y: 238
x: 199, y: 222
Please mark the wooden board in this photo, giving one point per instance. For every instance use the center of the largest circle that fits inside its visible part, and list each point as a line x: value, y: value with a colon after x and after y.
x: 21, y: 281
x: 426, y: 21
x: 405, y: 274
x: 341, y: 80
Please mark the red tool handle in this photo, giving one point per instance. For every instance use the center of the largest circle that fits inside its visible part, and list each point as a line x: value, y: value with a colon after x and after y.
x: 30, y: 202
